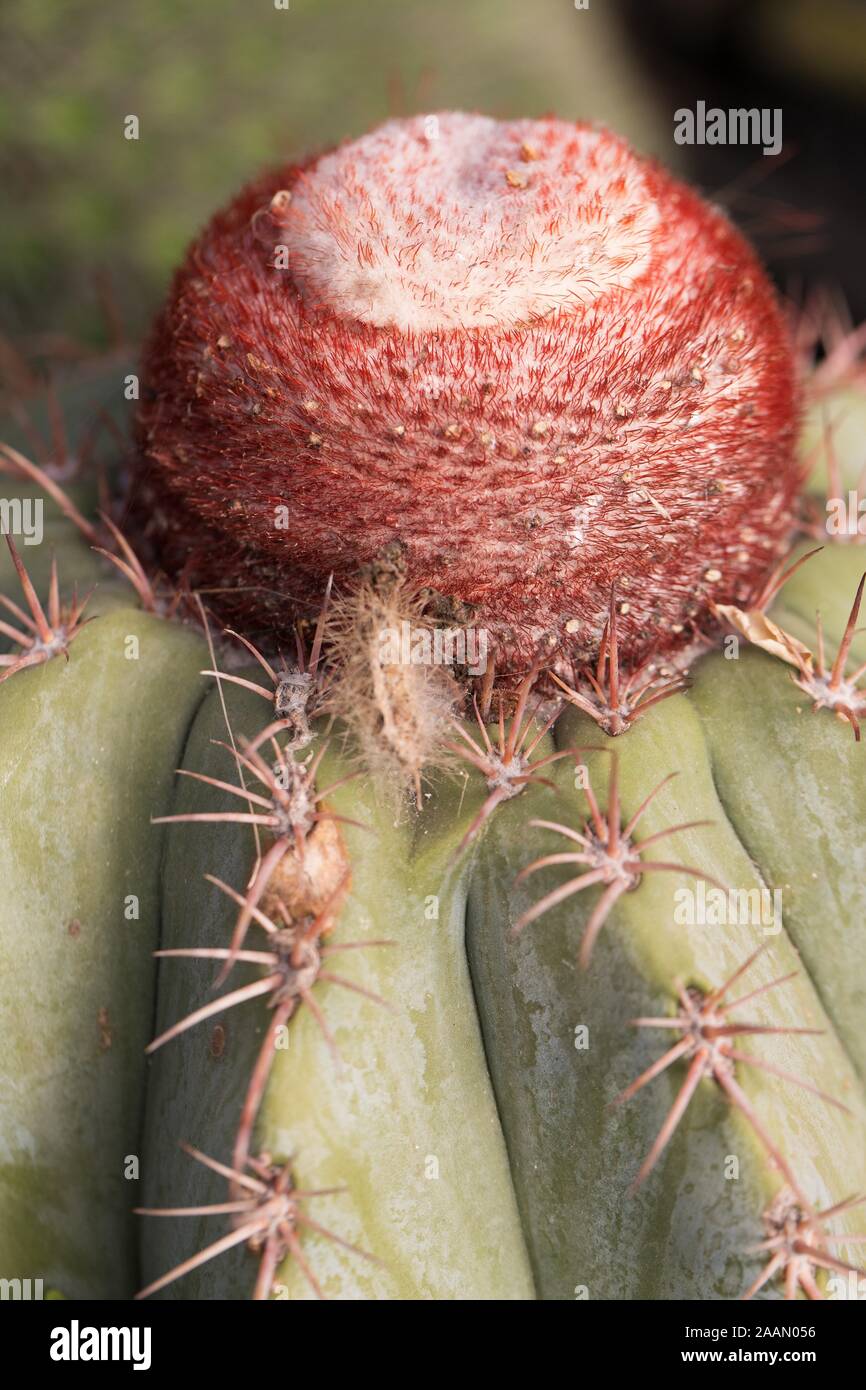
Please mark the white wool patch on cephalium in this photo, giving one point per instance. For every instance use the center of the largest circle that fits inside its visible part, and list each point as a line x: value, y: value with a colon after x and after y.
x: 458, y: 220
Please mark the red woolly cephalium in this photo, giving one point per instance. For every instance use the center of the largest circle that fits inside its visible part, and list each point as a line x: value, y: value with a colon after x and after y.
x: 533, y: 359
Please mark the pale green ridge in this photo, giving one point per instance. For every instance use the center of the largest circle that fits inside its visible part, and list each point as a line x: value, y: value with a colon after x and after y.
x: 88, y: 748
x: 408, y: 1121
x: 685, y: 1233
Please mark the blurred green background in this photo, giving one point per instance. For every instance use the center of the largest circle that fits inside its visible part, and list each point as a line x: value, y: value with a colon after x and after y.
x: 223, y: 87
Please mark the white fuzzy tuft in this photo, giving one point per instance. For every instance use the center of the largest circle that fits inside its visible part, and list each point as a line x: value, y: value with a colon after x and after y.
x: 462, y: 221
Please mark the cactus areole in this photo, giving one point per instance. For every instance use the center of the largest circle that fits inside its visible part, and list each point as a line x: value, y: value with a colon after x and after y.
x: 527, y: 357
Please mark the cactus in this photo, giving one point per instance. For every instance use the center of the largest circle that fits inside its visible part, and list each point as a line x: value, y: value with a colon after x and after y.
x: 533, y: 977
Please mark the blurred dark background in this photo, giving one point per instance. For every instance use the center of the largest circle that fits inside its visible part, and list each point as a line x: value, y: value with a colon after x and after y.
x: 805, y: 209
x: 93, y: 222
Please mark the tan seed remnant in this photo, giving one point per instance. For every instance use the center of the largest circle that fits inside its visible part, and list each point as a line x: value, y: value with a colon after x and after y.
x: 304, y: 885
x: 280, y: 203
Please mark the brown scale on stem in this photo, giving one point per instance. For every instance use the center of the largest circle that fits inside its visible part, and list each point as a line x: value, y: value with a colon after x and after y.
x: 610, y: 854
x: 613, y: 697
x: 753, y: 623
x: 709, y: 1043
x: 831, y: 688
x: 266, y: 1212
x: 39, y: 635
x: 798, y: 1245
